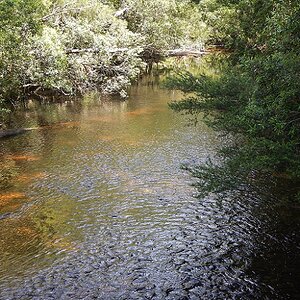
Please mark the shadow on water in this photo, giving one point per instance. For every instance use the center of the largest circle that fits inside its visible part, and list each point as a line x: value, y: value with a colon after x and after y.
x: 95, y: 206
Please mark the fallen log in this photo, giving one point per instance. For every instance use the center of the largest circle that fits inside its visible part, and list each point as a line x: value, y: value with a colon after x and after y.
x: 180, y: 52
x: 94, y: 50
x: 13, y: 132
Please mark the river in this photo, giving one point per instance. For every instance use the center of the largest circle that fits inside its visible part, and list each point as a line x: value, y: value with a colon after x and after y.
x: 94, y: 205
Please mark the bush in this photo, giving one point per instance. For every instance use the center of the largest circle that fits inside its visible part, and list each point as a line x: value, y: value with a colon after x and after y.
x: 82, y: 46
x: 255, y: 97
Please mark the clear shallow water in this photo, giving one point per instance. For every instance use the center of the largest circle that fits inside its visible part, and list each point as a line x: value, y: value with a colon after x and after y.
x: 95, y: 206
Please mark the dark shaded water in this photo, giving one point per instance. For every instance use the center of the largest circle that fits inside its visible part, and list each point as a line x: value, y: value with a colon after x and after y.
x: 95, y: 206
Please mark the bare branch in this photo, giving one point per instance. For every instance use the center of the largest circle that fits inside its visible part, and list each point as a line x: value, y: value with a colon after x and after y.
x: 64, y: 10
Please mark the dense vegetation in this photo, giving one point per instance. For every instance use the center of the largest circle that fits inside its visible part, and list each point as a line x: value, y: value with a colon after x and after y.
x: 255, y: 96
x: 71, y: 46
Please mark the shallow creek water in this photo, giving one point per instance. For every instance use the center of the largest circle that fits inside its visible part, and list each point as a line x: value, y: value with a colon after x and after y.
x: 94, y: 205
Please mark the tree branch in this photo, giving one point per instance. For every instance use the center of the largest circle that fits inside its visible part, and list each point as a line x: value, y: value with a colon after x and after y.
x: 64, y: 10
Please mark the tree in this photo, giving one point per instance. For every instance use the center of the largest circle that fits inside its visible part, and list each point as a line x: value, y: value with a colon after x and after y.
x: 19, y: 22
x: 255, y: 97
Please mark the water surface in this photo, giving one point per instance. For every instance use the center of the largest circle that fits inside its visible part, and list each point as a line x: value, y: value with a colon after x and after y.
x: 94, y: 205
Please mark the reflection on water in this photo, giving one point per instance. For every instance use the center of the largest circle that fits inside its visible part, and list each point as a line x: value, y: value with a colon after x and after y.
x: 94, y: 205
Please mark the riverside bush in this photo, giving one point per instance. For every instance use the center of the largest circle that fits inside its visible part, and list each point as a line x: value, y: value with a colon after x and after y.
x: 255, y: 97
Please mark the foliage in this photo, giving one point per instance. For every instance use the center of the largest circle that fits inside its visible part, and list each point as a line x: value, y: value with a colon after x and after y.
x: 19, y: 21
x: 73, y: 46
x: 256, y: 95
x: 166, y: 24
x: 221, y: 21
x: 86, y: 26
